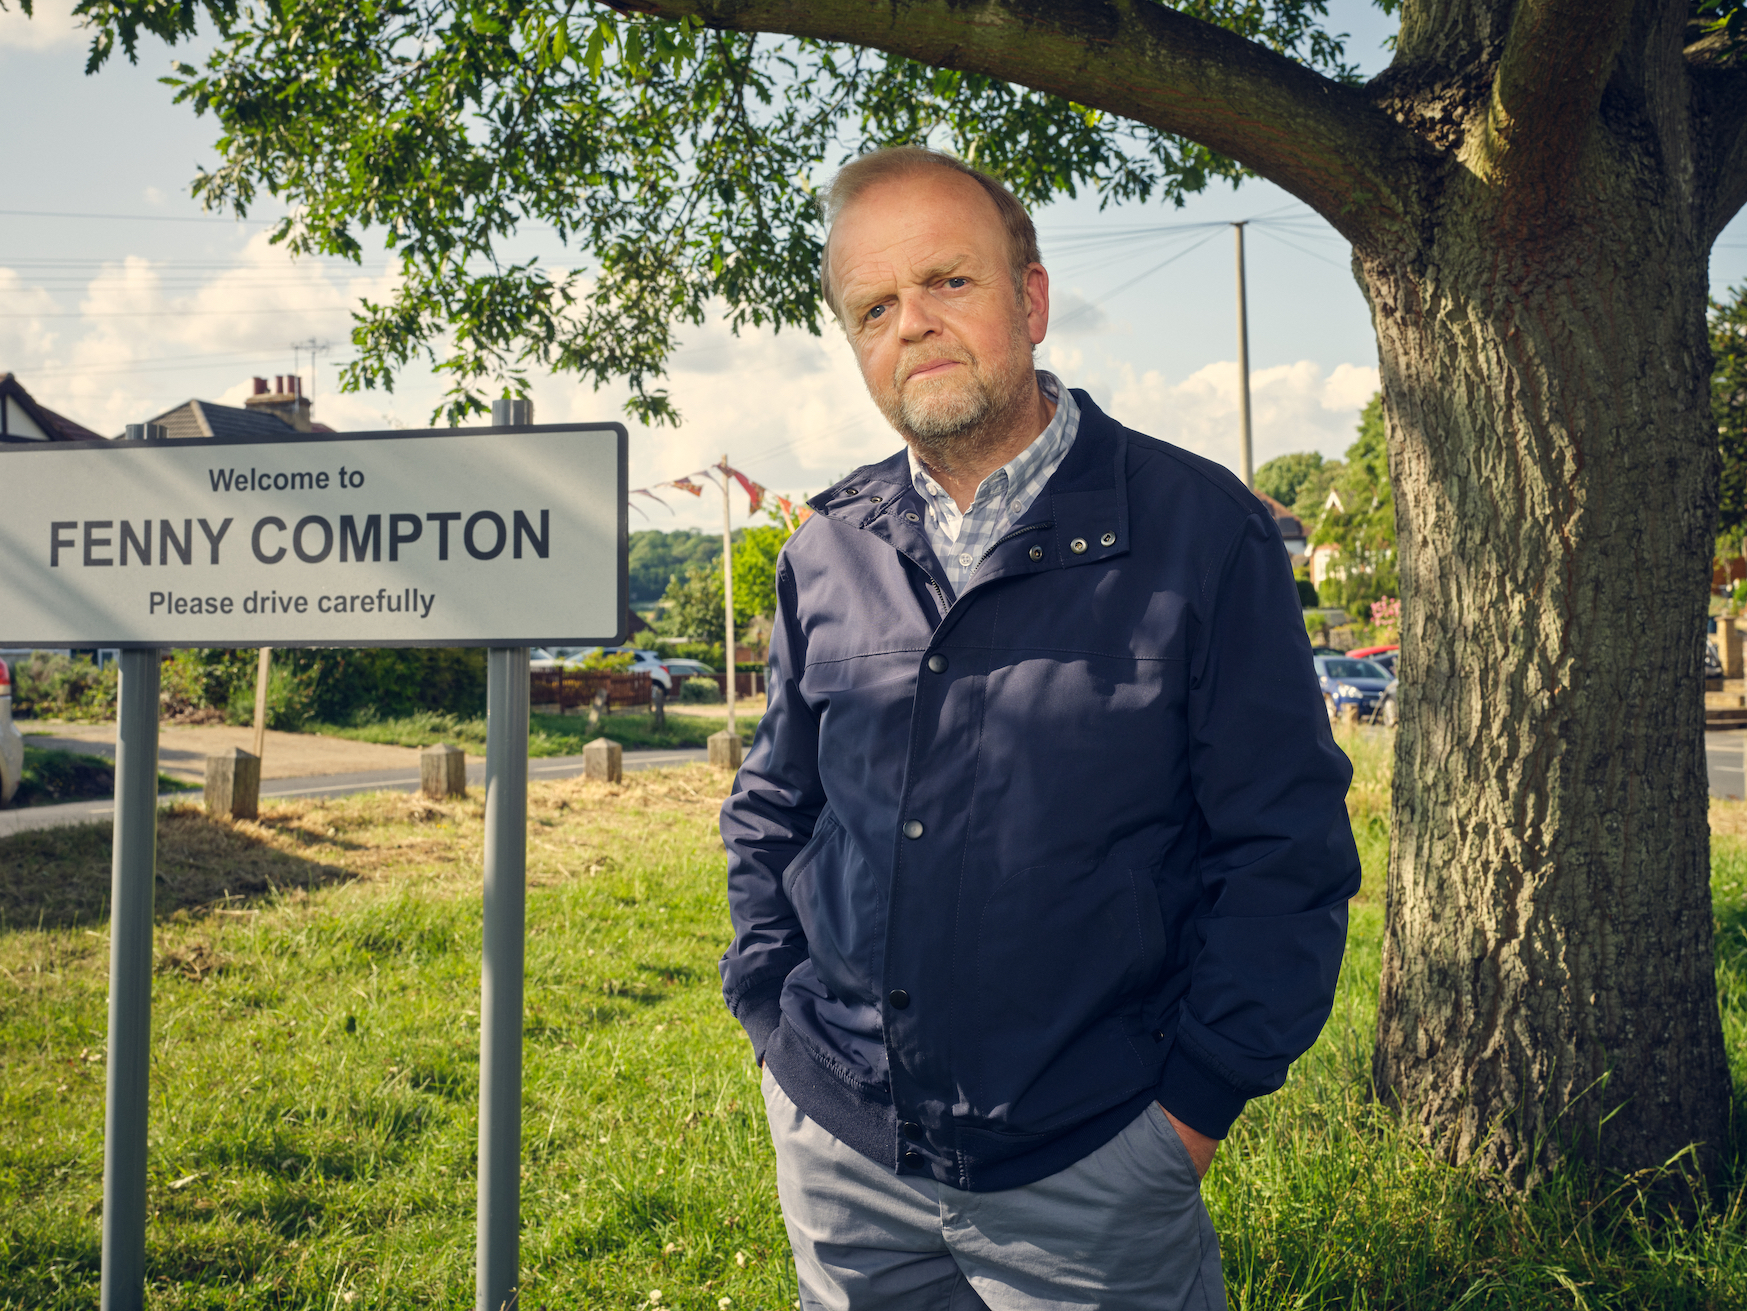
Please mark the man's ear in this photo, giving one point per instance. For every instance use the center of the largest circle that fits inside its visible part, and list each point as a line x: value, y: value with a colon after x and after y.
x: 1036, y: 301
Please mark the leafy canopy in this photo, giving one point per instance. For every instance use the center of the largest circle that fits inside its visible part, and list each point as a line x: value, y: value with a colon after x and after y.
x: 1363, y: 525
x: 1729, y: 405
x: 1285, y: 476
x: 675, y: 164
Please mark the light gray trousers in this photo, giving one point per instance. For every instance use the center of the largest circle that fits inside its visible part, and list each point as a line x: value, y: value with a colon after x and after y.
x: 1120, y: 1230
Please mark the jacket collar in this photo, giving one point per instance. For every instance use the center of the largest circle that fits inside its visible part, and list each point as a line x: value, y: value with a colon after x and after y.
x: 1080, y: 517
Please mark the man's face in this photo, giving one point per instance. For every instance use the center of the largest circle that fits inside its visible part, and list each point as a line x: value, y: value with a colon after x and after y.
x: 924, y: 280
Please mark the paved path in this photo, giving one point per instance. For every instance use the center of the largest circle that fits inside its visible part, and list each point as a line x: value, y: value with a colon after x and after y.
x: 1724, y: 757
x: 331, y: 785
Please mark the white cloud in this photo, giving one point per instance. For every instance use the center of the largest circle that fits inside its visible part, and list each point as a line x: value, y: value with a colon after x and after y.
x: 1293, y: 407
x: 53, y: 25
x: 788, y: 408
x: 138, y: 322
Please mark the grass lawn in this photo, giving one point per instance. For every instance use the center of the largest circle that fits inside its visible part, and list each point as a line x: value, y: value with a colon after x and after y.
x: 315, y: 1080
x: 51, y: 777
x: 548, y: 735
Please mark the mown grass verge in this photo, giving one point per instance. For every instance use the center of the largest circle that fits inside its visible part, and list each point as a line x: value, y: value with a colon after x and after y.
x: 51, y: 777
x: 548, y: 735
x: 315, y: 1075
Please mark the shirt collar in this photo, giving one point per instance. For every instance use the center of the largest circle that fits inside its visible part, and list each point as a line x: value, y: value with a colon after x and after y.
x: 1045, y: 450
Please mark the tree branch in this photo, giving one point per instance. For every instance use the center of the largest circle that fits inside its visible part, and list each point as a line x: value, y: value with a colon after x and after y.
x: 1557, y: 61
x: 1720, y: 129
x: 1318, y: 139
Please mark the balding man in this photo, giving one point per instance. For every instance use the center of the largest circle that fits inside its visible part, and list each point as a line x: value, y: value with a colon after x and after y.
x: 1039, y: 862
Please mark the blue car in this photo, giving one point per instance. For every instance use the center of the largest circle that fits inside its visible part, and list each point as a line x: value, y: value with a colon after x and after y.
x: 1350, y: 687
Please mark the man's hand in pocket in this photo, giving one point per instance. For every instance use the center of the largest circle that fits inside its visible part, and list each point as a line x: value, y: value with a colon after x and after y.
x: 1201, y: 1147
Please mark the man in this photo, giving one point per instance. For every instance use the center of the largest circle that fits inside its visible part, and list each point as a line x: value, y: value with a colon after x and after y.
x: 1039, y: 862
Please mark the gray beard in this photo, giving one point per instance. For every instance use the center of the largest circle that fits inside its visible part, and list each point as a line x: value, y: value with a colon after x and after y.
x: 961, y: 431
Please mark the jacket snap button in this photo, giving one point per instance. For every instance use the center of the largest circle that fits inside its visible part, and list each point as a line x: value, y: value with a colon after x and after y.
x: 851, y: 491
x: 937, y: 663
x: 899, y: 999
x: 912, y: 828
x: 1109, y: 539
x: 912, y: 516
x: 913, y: 1159
x: 876, y: 499
x: 1036, y: 553
x: 1078, y: 546
x: 911, y: 1130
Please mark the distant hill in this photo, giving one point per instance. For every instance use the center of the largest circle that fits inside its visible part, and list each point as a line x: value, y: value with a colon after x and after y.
x: 657, y: 556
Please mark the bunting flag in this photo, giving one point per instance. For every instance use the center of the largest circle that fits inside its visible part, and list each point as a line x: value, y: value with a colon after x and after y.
x: 792, y: 515
x: 754, y: 491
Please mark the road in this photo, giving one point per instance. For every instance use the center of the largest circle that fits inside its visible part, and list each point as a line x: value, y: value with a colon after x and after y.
x: 1725, y: 754
x: 1724, y: 758
x: 329, y: 785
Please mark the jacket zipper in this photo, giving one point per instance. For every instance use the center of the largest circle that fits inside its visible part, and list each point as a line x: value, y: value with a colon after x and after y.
x: 1017, y: 532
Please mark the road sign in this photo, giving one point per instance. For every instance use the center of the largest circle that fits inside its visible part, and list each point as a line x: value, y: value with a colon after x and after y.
x: 441, y: 537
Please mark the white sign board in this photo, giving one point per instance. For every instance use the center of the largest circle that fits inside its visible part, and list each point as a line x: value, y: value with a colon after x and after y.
x: 446, y: 537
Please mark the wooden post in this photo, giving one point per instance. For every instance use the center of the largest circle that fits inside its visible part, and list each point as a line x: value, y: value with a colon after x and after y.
x: 443, y: 771
x: 603, y: 759
x: 233, y: 785
x: 725, y: 749
x: 1729, y: 646
x: 262, y: 667
x: 728, y: 591
x: 597, y: 707
x: 658, y: 707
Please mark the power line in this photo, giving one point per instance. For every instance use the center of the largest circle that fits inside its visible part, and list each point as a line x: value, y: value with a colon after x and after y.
x: 130, y: 218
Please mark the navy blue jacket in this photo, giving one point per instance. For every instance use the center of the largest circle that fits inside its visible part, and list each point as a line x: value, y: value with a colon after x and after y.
x: 1004, y: 867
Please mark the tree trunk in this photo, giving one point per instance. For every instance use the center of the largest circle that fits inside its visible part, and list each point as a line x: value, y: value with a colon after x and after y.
x: 1548, y: 986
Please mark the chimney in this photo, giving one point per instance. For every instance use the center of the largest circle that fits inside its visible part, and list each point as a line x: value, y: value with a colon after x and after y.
x: 286, y: 402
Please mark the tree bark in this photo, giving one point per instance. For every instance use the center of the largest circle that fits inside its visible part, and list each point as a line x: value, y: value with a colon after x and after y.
x: 1548, y: 979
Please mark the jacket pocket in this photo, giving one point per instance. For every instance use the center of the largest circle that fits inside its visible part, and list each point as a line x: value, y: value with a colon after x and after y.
x: 836, y: 899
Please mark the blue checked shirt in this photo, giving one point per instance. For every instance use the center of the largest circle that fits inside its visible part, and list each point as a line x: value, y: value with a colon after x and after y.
x: 960, y: 538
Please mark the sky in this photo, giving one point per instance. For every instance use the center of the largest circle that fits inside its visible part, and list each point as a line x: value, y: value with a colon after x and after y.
x: 120, y: 299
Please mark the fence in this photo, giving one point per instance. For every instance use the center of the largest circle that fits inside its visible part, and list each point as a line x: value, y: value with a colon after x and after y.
x: 574, y: 689
x: 559, y: 690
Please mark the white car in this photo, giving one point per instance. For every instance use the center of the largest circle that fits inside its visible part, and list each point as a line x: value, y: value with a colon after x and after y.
x: 11, y: 742
x: 688, y: 667
x: 646, y: 662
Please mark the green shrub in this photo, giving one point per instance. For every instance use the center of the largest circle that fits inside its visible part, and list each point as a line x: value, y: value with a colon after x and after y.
x: 615, y: 663
x: 51, y: 685
x: 699, y: 691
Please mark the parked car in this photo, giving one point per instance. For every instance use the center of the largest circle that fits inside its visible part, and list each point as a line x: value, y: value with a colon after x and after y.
x: 11, y: 741
x: 550, y: 657
x: 1378, y: 655
x: 646, y: 662
x: 1349, y: 684
x: 1388, y: 711
x: 689, y: 667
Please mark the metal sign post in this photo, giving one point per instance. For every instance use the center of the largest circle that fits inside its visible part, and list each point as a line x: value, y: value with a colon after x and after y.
x: 133, y: 872
x: 500, y: 984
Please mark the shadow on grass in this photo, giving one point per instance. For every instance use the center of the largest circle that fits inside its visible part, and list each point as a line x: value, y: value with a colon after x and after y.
x: 58, y: 878
x: 52, y: 777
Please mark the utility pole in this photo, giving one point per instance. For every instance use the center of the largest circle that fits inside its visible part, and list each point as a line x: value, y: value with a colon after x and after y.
x: 315, y: 347
x: 728, y: 589
x: 1244, y: 463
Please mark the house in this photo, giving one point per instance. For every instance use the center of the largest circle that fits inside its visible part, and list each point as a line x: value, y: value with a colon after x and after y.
x: 25, y: 419
x: 1290, y: 526
x: 265, y: 413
